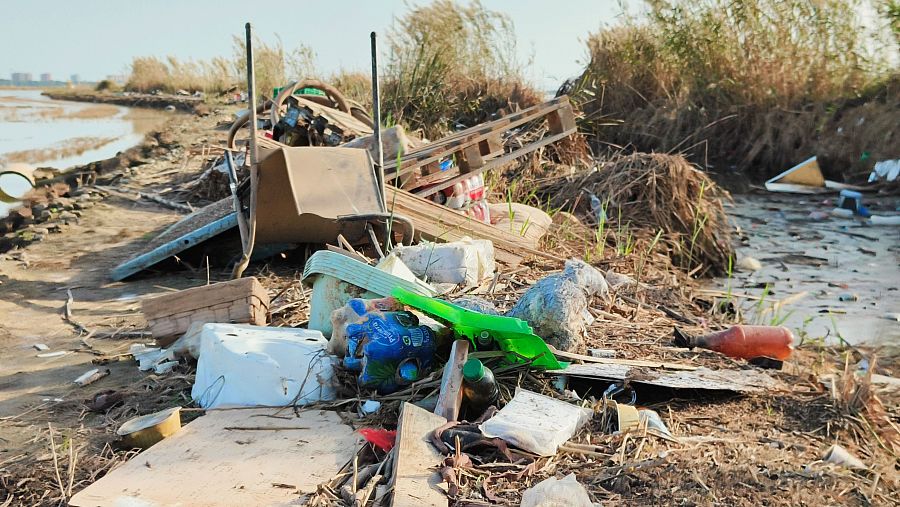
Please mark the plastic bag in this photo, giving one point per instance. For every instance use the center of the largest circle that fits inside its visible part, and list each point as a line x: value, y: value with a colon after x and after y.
x: 556, y: 306
x: 536, y: 423
x: 565, y: 492
x: 467, y: 261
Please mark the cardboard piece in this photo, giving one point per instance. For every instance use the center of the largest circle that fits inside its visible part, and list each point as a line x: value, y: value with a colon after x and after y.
x: 805, y: 173
x: 212, y: 461
x: 303, y: 190
x: 742, y: 381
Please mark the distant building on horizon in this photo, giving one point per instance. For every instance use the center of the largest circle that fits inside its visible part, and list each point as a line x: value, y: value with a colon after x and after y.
x: 46, y: 77
x: 22, y: 78
x: 75, y: 78
x: 117, y: 78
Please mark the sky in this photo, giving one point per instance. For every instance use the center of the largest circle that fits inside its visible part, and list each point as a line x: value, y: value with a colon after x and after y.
x: 96, y: 38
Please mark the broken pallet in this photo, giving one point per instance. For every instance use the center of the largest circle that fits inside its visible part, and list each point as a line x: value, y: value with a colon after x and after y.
x: 480, y: 148
x: 440, y: 223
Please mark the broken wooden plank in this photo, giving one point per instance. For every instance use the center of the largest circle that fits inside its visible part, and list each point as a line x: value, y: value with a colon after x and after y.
x: 205, y: 465
x: 450, y: 396
x: 497, y: 162
x: 243, y: 300
x: 414, y: 476
x: 439, y: 223
x: 742, y: 381
x: 640, y: 363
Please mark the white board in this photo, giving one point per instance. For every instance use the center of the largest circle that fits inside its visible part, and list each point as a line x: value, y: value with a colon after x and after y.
x: 204, y: 464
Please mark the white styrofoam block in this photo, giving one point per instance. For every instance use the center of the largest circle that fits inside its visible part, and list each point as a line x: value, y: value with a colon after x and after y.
x: 244, y: 365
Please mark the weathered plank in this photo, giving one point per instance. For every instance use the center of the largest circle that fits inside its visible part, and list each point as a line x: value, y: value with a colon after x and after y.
x: 439, y: 223
x: 414, y: 476
x: 742, y: 381
x: 206, y: 464
x: 450, y: 396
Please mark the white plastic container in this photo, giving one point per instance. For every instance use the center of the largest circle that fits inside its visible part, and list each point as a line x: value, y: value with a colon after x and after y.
x: 243, y: 365
x: 467, y: 261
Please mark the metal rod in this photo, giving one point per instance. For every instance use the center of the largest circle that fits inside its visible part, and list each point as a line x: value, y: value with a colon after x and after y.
x: 254, y: 175
x: 376, y: 118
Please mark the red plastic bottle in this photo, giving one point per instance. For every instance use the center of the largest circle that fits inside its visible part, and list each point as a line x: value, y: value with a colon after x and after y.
x: 749, y: 342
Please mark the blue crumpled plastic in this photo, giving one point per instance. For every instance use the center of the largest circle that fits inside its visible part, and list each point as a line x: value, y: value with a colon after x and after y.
x: 389, y: 349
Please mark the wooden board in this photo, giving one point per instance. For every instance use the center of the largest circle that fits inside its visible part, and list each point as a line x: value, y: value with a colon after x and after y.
x: 415, y: 476
x: 627, y: 362
x: 439, y: 223
x: 742, y: 381
x: 205, y: 465
x: 204, y: 296
x: 450, y: 396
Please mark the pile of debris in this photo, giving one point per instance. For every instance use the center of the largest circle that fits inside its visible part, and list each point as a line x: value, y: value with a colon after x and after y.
x: 432, y: 352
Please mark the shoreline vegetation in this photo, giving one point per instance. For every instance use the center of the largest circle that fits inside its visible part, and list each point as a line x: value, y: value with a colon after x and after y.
x: 748, y: 87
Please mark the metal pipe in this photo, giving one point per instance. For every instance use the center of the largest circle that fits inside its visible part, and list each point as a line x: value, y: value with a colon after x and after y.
x: 254, y: 161
x: 376, y: 119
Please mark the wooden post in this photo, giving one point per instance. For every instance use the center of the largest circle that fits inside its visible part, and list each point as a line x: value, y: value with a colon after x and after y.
x: 562, y: 119
x: 470, y: 158
x: 450, y: 397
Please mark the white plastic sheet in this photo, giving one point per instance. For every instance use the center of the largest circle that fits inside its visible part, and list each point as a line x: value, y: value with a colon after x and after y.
x: 467, y: 261
x: 536, y: 423
x: 243, y: 365
x: 565, y: 492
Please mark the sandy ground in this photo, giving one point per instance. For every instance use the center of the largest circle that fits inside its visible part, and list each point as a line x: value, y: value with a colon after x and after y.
x: 34, y: 286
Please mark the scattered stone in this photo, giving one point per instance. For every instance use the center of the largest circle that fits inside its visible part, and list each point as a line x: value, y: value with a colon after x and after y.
x: 749, y: 264
x: 68, y: 216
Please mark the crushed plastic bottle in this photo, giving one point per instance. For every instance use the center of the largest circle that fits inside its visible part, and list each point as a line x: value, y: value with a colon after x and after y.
x: 389, y: 349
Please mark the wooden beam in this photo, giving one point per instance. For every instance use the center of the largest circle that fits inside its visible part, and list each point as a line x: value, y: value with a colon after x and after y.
x: 439, y: 223
x: 415, y: 482
x: 450, y: 397
x: 497, y: 162
x: 626, y: 362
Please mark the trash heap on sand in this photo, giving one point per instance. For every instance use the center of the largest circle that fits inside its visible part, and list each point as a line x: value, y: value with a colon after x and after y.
x: 445, y: 355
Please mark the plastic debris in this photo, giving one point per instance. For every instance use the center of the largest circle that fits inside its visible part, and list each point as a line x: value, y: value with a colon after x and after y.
x: 837, y: 455
x: 389, y: 350
x: 355, y: 311
x: 536, y: 423
x: 886, y: 170
x: 242, y: 365
x: 653, y: 421
x: 476, y: 304
x: 745, y: 342
x: 565, y: 492
x: 57, y: 353
x: 91, y: 376
x: 383, y: 439
x: 749, y: 264
x: 556, y: 306
x: 468, y: 261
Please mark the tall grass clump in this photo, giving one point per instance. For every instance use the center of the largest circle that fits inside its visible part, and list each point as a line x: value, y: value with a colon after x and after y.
x: 749, y: 84
x: 452, y: 65
x: 273, y: 65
